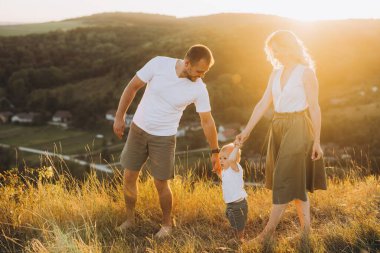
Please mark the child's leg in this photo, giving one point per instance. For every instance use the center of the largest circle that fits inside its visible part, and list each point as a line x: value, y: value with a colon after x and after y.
x: 303, y: 211
x: 240, y: 235
x: 237, y: 214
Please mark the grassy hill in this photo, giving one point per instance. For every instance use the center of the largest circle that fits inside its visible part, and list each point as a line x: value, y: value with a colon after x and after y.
x: 45, y: 211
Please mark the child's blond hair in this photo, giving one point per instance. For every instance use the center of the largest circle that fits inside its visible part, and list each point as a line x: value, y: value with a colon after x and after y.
x: 229, y: 148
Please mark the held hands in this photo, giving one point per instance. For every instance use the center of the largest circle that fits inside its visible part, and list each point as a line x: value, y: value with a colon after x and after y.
x: 317, y: 151
x: 241, y: 138
x: 119, y: 127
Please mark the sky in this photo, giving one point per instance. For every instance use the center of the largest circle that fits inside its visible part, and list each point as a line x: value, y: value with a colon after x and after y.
x: 30, y: 11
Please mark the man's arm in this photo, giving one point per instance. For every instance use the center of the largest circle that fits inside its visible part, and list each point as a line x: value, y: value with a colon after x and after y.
x: 125, y: 101
x: 209, y: 129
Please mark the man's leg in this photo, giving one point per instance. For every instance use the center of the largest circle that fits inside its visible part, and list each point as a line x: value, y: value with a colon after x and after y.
x: 130, y: 197
x: 166, y: 201
x: 303, y: 211
x: 161, y: 153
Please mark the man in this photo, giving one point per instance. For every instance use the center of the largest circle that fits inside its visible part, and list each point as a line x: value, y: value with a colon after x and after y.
x: 173, y: 84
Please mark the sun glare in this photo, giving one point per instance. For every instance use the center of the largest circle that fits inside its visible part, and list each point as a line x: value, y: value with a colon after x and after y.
x: 313, y: 10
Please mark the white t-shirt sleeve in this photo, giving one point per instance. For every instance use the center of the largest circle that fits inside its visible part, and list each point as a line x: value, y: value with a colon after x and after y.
x: 202, y: 101
x: 146, y: 73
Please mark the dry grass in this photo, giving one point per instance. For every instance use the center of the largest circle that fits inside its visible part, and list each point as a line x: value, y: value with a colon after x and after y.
x: 62, y: 214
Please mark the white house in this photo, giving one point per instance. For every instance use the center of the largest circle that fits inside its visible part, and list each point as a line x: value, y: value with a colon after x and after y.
x: 228, y: 132
x: 110, y: 116
x: 194, y: 126
x: 62, y: 116
x: 128, y: 119
x: 24, y: 117
x: 5, y: 117
x: 181, y: 132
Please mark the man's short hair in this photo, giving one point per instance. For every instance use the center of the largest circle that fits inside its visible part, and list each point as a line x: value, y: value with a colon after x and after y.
x: 199, y: 52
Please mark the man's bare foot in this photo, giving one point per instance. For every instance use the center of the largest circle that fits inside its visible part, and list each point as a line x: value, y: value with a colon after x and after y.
x: 165, y: 231
x: 129, y: 223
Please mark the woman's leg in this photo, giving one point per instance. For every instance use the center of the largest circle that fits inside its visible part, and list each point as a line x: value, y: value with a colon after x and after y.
x: 303, y: 211
x: 274, y: 219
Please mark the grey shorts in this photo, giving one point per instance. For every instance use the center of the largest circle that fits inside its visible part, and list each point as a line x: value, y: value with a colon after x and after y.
x: 237, y: 214
x: 160, y: 149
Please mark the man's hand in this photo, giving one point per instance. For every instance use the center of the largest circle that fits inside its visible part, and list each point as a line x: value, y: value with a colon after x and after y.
x: 216, y: 168
x: 119, y: 127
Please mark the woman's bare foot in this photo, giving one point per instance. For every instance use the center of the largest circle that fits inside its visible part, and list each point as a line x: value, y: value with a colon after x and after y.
x: 129, y: 223
x: 258, y: 241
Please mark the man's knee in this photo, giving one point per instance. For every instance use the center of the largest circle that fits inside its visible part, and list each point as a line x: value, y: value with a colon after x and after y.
x: 130, y: 177
x: 162, y: 186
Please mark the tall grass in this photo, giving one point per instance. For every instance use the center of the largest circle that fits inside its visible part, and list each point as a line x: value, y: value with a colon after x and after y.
x: 48, y: 211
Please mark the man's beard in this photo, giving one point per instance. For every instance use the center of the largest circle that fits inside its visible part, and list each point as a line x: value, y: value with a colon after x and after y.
x: 188, y: 76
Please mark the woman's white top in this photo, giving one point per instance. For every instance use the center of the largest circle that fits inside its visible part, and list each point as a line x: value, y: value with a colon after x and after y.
x: 292, y: 97
x: 233, y: 185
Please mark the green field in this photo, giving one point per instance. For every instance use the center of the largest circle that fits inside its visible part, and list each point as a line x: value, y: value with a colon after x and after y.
x: 52, y: 139
x: 78, y: 143
x: 68, y: 142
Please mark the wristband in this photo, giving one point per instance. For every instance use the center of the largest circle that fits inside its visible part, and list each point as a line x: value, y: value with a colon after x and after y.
x: 215, y: 151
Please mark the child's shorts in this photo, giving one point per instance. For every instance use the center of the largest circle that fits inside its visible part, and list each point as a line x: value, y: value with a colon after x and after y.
x: 237, y: 213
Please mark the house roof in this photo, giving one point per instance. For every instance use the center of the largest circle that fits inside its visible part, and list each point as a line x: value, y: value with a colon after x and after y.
x: 63, y: 114
x: 24, y: 115
x: 6, y: 114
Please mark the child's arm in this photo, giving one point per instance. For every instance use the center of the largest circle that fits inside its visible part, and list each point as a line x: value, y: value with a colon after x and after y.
x: 233, y: 158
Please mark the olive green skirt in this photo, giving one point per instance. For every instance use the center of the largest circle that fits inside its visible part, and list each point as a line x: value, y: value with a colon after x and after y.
x: 289, y: 170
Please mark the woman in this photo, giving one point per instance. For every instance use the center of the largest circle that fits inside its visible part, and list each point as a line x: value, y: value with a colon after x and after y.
x: 293, y: 163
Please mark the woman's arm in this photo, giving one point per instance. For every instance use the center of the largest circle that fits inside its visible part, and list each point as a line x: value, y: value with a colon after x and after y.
x: 312, y: 92
x: 258, y: 112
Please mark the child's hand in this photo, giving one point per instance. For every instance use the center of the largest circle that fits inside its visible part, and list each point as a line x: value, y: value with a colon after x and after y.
x: 238, y: 144
x: 241, y: 138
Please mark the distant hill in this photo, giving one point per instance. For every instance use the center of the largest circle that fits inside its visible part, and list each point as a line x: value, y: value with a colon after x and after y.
x: 86, y: 62
x: 105, y: 19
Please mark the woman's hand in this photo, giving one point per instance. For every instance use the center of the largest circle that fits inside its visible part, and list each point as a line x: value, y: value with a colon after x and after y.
x: 241, y: 138
x: 317, y: 151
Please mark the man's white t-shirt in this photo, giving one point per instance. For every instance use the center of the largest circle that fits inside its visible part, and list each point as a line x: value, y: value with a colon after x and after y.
x: 166, y: 97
